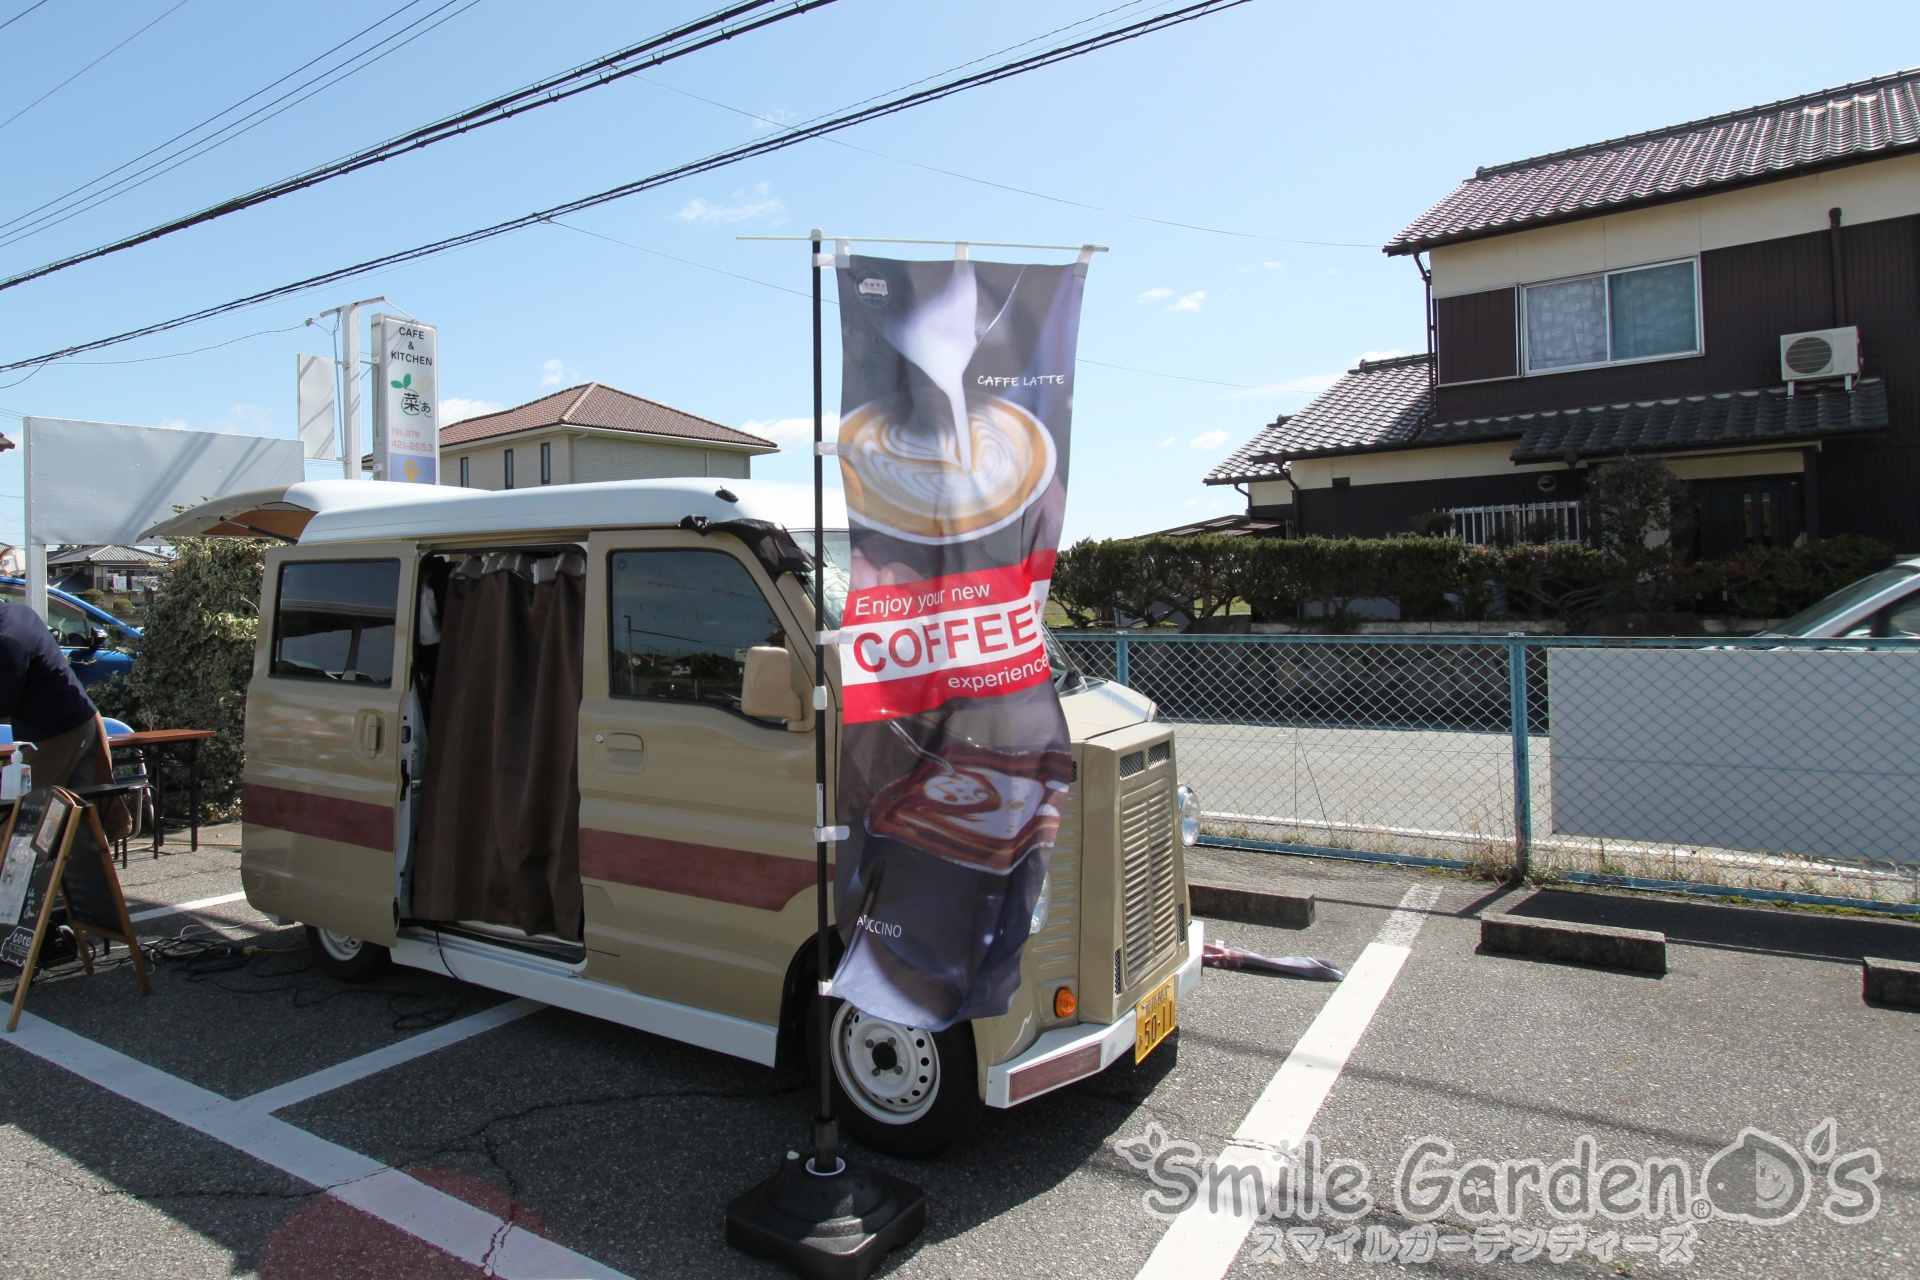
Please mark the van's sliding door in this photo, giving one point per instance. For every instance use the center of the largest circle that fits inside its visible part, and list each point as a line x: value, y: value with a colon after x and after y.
x: 322, y: 780
x: 696, y: 848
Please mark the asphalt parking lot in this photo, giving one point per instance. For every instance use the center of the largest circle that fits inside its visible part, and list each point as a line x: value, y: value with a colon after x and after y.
x: 577, y: 1147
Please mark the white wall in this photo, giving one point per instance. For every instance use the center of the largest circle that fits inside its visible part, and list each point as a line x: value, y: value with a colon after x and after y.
x: 1870, y: 192
x: 1782, y: 751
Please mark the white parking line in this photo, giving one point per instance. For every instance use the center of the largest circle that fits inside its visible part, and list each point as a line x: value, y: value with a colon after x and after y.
x: 1203, y: 1241
x: 154, y: 913
x: 345, y: 1073
x: 475, y: 1237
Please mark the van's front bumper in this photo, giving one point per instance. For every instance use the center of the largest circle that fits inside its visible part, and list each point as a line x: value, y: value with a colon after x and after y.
x: 1061, y: 1056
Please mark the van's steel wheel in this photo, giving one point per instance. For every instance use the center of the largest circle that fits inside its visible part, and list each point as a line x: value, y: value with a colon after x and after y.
x: 897, y: 1088
x: 892, y: 1072
x: 347, y: 958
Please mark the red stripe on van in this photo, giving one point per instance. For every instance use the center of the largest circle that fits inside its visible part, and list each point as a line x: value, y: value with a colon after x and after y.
x: 695, y: 870
x: 323, y: 817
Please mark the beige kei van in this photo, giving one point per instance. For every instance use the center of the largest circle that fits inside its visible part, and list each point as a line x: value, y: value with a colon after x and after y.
x: 649, y: 725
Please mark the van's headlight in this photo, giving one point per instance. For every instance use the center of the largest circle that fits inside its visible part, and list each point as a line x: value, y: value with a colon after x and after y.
x: 1189, y: 817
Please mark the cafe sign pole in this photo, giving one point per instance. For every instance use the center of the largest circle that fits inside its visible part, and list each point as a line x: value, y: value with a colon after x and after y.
x: 406, y: 400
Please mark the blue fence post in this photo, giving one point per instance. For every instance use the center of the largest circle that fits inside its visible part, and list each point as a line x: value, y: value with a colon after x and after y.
x: 1522, y: 776
x: 1120, y: 659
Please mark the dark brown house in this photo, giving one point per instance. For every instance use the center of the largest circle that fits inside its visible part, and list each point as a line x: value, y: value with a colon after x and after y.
x: 1738, y: 295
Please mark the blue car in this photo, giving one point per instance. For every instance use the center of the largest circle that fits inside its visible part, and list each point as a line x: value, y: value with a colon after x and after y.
x: 98, y: 645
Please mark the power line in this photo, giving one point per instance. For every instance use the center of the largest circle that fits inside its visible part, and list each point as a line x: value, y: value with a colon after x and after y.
x: 23, y: 13
x: 800, y: 293
x: 677, y: 43
x: 1038, y: 195
x: 1063, y: 53
x: 91, y: 65
x: 394, y: 41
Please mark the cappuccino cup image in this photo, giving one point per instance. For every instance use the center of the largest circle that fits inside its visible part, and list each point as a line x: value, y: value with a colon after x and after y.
x: 924, y: 488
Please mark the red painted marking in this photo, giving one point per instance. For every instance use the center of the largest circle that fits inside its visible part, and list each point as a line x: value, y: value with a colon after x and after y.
x: 707, y: 871
x: 1025, y: 1082
x: 323, y: 817
x: 332, y: 1240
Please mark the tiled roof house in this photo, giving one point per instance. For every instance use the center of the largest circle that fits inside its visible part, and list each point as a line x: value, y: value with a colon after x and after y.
x: 591, y: 432
x: 1632, y: 296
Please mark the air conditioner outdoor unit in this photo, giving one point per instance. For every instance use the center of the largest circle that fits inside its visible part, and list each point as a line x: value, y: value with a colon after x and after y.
x: 1821, y: 353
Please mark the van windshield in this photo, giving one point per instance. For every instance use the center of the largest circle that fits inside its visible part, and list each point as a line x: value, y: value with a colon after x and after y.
x: 838, y: 577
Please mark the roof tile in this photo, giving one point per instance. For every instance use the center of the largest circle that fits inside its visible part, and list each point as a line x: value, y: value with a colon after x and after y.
x: 594, y: 405
x: 1856, y: 121
x: 1379, y: 405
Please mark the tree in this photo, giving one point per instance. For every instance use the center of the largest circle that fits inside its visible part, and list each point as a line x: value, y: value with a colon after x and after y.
x: 197, y: 658
x: 1638, y: 507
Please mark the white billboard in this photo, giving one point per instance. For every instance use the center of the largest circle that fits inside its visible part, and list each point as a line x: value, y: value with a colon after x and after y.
x: 406, y: 401
x: 317, y: 375
x: 99, y: 482
x: 1770, y: 750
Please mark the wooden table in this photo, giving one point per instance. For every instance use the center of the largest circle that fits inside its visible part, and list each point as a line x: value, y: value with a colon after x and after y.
x: 161, y: 738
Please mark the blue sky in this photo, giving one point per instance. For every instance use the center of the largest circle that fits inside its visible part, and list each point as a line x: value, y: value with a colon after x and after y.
x: 1287, y: 123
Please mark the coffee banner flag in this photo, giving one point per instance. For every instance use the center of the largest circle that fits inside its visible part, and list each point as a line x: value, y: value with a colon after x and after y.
x: 957, y: 391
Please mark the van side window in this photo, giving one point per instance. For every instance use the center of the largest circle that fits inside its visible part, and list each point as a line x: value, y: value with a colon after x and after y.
x: 682, y: 622
x: 334, y: 620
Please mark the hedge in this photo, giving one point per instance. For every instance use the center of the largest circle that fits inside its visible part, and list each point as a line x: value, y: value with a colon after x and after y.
x: 1192, y: 579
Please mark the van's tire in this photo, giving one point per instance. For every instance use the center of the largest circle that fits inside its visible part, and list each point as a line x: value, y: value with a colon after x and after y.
x: 347, y: 958
x: 896, y: 1088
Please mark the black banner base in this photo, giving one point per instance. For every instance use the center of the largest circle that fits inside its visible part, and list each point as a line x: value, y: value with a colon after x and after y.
x: 826, y: 1227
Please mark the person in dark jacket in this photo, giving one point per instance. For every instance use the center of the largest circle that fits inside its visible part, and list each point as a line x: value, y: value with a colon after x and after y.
x: 43, y: 700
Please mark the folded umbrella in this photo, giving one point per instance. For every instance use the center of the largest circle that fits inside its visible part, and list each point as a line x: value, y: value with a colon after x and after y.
x: 1215, y: 956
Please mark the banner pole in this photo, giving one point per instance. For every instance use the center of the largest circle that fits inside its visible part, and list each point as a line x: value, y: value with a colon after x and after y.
x: 821, y: 1217
x: 826, y: 1129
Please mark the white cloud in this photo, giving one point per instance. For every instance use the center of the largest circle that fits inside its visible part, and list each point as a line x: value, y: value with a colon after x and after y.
x: 1168, y: 443
x: 1394, y: 354
x: 1273, y: 266
x: 773, y: 118
x: 555, y: 372
x: 791, y: 431
x: 1209, y: 440
x: 177, y: 424
x: 1154, y: 295
x: 1191, y: 301
x: 749, y: 204
x: 453, y: 409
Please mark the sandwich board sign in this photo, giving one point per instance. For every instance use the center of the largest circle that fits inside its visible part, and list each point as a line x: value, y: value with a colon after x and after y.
x: 55, y: 847
x: 406, y: 401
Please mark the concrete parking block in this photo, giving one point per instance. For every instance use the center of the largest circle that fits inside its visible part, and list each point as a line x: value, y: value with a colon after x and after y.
x: 1890, y: 982
x: 1639, y: 950
x: 1255, y: 906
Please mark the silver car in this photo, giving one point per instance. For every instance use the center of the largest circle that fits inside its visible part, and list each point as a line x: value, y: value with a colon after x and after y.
x: 1880, y: 605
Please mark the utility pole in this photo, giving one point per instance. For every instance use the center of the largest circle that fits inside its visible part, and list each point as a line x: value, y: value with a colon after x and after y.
x: 351, y: 375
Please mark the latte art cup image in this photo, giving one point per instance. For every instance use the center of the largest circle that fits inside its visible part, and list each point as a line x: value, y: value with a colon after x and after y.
x: 913, y: 485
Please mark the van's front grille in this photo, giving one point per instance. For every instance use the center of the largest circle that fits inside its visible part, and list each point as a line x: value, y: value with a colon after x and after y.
x: 1149, y: 916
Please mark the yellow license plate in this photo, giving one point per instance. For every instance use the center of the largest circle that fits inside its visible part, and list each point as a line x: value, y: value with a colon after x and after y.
x: 1154, y: 1019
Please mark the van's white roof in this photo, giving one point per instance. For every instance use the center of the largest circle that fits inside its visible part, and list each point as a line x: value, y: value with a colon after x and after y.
x: 364, y: 510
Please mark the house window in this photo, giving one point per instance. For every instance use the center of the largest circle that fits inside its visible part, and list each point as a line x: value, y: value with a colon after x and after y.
x: 1647, y: 313
x: 546, y: 464
x: 464, y: 483
x: 509, y: 468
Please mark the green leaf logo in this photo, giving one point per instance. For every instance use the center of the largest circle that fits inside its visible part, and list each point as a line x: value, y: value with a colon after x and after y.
x: 404, y: 383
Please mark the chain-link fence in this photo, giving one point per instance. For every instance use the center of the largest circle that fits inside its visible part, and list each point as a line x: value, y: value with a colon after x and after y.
x: 1405, y: 746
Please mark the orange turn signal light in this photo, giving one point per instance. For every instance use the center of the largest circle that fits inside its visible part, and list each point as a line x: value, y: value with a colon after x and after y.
x: 1064, y: 1003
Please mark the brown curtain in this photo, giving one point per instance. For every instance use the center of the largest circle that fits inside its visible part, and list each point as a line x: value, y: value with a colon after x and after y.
x: 499, y: 836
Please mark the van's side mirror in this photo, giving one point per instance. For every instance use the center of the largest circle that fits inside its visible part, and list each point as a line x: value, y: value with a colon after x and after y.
x: 766, y: 686
x: 97, y: 638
